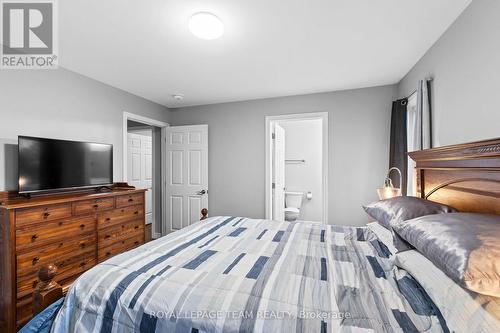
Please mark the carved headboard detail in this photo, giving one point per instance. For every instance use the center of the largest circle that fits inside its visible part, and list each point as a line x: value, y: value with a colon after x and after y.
x: 465, y: 176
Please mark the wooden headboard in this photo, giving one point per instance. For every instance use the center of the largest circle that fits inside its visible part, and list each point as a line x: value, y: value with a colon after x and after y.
x: 465, y: 176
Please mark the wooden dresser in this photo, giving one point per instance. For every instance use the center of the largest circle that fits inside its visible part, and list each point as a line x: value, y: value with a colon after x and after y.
x: 75, y: 232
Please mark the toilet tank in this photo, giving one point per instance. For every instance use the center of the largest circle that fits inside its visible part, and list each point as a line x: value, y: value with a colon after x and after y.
x: 293, y: 199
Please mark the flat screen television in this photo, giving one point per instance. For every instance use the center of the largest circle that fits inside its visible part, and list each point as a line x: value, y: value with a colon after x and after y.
x: 49, y: 164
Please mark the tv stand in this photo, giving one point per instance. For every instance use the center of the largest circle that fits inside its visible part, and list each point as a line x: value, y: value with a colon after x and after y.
x: 73, y: 231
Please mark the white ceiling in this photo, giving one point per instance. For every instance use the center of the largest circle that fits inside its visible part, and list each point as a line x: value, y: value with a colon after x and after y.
x: 270, y: 47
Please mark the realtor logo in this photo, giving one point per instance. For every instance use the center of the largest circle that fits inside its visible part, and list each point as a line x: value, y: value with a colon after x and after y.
x: 28, y: 34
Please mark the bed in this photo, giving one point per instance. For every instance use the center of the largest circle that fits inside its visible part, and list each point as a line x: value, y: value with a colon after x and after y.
x: 235, y: 274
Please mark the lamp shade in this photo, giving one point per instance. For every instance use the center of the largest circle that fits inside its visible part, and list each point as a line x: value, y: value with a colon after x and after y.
x: 388, y: 192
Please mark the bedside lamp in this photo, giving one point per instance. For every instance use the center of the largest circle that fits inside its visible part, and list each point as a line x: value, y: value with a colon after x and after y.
x: 389, y: 191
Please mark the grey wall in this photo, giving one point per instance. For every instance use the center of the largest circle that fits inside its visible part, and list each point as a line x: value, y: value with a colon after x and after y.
x: 465, y: 64
x: 358, y: 140
x: 63, y: 104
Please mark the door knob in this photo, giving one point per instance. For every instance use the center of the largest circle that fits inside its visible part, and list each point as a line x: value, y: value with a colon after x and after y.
x: 201, y: 192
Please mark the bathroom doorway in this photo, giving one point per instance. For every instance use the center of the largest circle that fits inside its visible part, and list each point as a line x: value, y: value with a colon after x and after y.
x: 297, y: 167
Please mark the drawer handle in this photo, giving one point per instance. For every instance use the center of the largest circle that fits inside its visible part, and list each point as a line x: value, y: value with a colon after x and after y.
x: 136, y: 227
x: 82, y: 245
x: 61, y: 223
x: 123, y: 242
x: 35, y: 260
x: 96, y: 206
x: 108, y: 253
x: 107, y: 236
x: 34, y: 237
x: 130, y: 200
x: 45, y: 215
x: 136, y: 242
x: 108, y: 219
x: 136, y: 212
x: 82, y: 264
x: 35, y: 283
x: 82, y: 226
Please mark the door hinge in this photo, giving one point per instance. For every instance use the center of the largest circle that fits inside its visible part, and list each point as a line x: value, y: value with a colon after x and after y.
x: 273, y: 136
x: 273, y: 186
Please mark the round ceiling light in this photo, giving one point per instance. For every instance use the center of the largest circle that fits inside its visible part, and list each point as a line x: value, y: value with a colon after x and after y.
x: 206, y: 25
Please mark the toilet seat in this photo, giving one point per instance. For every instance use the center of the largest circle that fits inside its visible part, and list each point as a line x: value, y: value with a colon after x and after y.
x: 291, y: 214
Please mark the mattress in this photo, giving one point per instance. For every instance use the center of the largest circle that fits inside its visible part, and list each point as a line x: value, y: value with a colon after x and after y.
x: 235, y: 274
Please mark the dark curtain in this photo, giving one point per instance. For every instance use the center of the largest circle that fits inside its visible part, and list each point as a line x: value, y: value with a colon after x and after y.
x: 398, y: 150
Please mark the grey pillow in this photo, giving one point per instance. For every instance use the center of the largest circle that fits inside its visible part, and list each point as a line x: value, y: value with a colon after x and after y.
x: 465, y: 246
x: 390, y: 211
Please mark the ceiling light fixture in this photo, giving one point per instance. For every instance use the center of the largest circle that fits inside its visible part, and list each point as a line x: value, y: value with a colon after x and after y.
x: 178, y: 97
x: 206, y: 25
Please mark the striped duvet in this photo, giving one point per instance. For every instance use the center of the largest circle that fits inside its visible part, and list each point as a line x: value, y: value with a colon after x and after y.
x: 232, y: 274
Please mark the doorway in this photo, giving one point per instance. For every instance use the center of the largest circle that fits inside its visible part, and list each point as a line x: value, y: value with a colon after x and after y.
x: 143, y: 167
x: 297, y: 167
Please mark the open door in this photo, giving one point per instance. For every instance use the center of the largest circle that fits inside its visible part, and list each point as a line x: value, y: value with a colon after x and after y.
x: 187, y: 174
x: 278, y: 173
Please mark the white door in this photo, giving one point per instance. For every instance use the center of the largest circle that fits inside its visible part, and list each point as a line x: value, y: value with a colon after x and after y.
x: 278, y: 173
x: 140, y: 167
x: 187, y: 174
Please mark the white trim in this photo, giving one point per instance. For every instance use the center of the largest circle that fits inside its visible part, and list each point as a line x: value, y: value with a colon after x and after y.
x: 151, y: 122
x: 297, y: 116
x: 164, y: 207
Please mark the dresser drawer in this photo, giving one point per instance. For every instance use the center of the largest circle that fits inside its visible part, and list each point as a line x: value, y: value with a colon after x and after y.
x: 117, y: 216
x: 129, y: 200
x: 54, y: 252
x: 119, y: 232
x: 94, y: 205
x: 119, y: 247
x: 32, y: 237
x: 66, y: 269
x: 29, y: 216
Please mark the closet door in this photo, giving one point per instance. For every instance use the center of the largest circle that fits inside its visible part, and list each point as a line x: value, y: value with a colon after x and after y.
x: 140, y: 167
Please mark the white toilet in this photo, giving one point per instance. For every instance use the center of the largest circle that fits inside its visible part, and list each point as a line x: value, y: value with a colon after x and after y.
x: 293, y: 203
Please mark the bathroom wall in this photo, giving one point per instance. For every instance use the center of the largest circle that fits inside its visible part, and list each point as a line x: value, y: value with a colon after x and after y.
x: 303, y: 141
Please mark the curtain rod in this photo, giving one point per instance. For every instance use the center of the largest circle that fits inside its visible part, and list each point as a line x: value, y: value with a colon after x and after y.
x: 415, y: 91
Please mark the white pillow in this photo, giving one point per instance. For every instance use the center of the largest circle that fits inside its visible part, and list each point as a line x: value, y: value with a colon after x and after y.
x: 463, y: 310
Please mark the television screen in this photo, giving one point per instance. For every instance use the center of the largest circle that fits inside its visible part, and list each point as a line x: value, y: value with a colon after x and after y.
x: 48, y: 164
